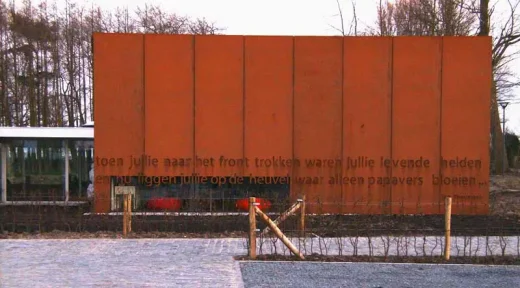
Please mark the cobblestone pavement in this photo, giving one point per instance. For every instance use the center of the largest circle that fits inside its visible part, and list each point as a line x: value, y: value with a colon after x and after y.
x: 189, y: 262
x: 120, y: 263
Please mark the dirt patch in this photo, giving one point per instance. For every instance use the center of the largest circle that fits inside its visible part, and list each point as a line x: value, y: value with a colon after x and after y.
x: 235, y: 227
x: 507, y: 181
x: 408, y: 225
x: 506, y: 203
x: 486, y: 260
x: 504, y: 195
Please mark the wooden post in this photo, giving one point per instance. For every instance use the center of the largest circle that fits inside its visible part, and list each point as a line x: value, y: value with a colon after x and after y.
x: 302, y: 217
x: 279, y: 233
x: 252, y: 228
x: 129, y: 205
x: 124, y: 215
x: 127, y: 214
x: 447, y: 228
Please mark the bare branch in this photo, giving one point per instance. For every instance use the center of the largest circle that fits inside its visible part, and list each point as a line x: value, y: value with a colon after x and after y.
x: 341, y: 18
x: 354, y: 19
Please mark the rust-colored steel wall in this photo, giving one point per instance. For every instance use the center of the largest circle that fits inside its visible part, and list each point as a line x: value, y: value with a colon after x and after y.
x: 367, y: 129
x: 317, y: 117
x: 119, y: 105
x: 219, y: 102
x: 353, y: 108
x: 169, y: 107
x: 268, y: 103
x: 466, y: 78
x: 416, y: 98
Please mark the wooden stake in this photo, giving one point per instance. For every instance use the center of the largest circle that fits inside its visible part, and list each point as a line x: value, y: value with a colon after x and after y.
x: 447, y: 228
x: 252, y: 228
x: 284, y: 216
x: 129, y: 205
x: 279, y: 233
x: 302, y: 217
x: 127, y: 214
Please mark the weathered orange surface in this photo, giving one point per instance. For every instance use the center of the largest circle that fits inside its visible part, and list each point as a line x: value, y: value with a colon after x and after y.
x: 268, y: 116
x: 465, y: 118
x: 119, y: 105
x: 366, y: 127
x: 169, y: 113
x: 247, y: 97
x: 219, y: 102
x: 317, y: 116
x: 416, y: 100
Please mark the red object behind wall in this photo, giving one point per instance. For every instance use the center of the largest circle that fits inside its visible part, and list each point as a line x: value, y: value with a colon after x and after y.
x: 164, y: 204
x: 243, y: 204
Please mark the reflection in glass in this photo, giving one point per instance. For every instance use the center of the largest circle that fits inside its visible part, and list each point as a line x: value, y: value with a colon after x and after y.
x: 35, y: 170
x: 80, y: 160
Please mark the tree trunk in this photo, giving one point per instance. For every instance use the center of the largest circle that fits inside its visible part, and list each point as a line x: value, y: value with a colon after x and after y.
x: 499, y: 155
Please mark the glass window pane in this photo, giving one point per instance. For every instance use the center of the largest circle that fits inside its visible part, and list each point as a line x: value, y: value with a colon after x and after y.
x: 80, y: 164
x: 35, y: 170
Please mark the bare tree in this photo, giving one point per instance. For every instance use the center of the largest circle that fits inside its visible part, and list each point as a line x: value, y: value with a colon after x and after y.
x: 4, y: 111
x: 462, y: 17
x: 506, y: 33
x: 424, y: 18
x: 353, y: 27
x: 46, y: 56
x: 458, y: 18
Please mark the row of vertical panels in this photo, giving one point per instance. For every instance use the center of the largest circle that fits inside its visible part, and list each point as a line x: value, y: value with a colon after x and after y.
x: 424, y: 99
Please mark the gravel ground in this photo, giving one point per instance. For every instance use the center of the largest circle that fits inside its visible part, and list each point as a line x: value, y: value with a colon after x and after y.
x: 312, y: 274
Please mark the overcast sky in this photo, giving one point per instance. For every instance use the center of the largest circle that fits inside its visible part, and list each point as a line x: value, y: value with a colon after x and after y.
x: 283, y: 17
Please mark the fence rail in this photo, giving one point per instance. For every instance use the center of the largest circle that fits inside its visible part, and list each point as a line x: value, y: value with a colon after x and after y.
x: 329, y: 235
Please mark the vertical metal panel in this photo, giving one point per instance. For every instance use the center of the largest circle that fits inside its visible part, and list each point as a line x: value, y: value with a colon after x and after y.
x: 466, y: 86
x: 366, y: 123
x: 318, y: 120
x: 118, y: 105
x: 219, y: 103
x: 268, y: 105
x: 416, y: 123
x: 169, y: 104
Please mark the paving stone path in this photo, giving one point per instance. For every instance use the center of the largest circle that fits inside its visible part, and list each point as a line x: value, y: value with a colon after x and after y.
x: 188, y: 262
x: 120, y: 263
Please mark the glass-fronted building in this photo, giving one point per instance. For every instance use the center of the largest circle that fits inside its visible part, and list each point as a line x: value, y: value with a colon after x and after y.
x: 45, y: 163
x: 54, y: 165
